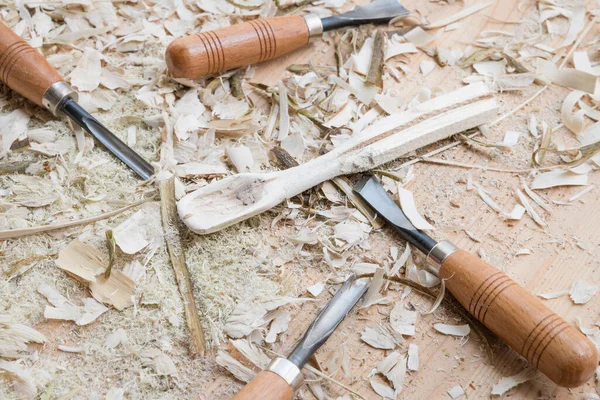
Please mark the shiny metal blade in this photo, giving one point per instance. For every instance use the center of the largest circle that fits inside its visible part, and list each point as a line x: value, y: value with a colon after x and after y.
x: 112, y: 143
x: 329, y: 319
x: 372, y: 192
x: 379, y: 11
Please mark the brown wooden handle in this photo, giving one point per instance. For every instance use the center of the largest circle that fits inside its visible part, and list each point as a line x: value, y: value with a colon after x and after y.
x: 24, y: 69
x: 266, y: 386
x: 520, y: 319
x: 235, y: 46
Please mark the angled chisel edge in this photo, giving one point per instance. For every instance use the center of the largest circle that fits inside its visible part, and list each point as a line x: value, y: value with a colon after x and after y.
x: 520, y: 319
x: 284, y: 375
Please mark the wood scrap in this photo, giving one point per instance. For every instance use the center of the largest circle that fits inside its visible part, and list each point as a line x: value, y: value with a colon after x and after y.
x: 87, y: 264
x: 182, y: 274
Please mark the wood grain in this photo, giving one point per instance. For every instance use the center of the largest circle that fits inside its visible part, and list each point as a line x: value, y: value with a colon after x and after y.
x: 549, y: 343
x: 266, y: 386
x: 23, y: 69
x: 235, y: 46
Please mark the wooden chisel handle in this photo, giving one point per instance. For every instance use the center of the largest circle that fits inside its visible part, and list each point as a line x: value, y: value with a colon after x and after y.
x: 23, y: 68
x: 266, y: 386
x: 235, y: 46
x: 520, y: 319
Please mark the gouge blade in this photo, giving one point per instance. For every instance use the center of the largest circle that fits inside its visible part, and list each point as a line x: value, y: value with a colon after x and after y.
x: 115, y: 145
x: 328, y: 320
x: 379, y: 11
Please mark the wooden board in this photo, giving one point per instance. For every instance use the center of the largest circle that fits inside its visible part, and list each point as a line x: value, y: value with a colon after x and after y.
x: 556, y: 260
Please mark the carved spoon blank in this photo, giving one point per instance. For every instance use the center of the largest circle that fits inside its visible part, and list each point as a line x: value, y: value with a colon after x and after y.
x: 239, y: 197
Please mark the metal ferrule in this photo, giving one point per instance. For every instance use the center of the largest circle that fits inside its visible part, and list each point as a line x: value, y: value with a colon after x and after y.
x: 56, y: 95
x: 315, y: 26
x: 438, y: 254
x: 288, y: 371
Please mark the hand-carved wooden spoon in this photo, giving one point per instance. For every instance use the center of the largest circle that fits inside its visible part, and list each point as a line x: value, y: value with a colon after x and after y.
x: 234, y: 199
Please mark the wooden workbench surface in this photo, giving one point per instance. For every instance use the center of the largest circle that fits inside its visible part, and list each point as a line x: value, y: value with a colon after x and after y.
x: 565, y: 251
x: 556, y: 260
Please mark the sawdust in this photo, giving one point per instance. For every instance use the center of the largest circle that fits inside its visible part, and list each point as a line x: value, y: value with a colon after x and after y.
x: 257, y: 259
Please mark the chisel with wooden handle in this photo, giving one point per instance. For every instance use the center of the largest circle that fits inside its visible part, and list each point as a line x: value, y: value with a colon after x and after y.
x: 517, y: 317
x: 264, y: 39
x: 283, y: 376
x: 28, y: 73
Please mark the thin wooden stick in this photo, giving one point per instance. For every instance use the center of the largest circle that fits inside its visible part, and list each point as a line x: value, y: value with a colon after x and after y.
x: 511, y: 112
x: 374, y: 77
x: 475, y: 166
x: 15, y: 233
x: 170, y: 221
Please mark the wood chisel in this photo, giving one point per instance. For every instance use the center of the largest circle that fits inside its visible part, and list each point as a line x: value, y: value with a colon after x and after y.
x: 28, y: 73
x: 259, y: 40
x: 517, y: 317
x: 283, y: 375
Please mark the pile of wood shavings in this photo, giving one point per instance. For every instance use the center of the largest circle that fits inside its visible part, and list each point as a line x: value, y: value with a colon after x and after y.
x: 249, y: 279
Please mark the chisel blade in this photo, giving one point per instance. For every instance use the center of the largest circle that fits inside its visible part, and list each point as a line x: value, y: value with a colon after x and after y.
x: 375, y: 195
x: 108, y: 139
x: 376, y: 12
x: 329, y: 319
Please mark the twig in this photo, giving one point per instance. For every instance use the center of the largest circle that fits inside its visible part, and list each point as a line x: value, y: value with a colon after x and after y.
x: 387, y: 174
x: 15, y: 233
x: 170, y: 221
x: 470, y: 166
x: 236, y: 84
x: 111, y: 246
x: 374, y: 77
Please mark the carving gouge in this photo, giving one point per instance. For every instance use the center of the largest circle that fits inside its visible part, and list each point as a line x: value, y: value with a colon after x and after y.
x: 28, y: 73
x: 534, y: 331
x: 283, y: 375
x: 264, y: 39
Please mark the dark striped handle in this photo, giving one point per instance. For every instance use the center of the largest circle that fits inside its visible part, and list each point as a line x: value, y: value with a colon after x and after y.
x: 520, y: 319
x: 235, y: 46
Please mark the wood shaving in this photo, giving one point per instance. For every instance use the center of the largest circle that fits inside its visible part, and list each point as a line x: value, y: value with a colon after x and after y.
x: 570, y: 78
x: 456, y: 392
x: 141, y: 230
x: 407, y: 202
x: 509, y: 382
x: 582, y: 291
x: 402, y: 320
x: 378, y: 337
x: 459, y: 15
x: 413, y: 357
x: 453, y: 330
x: 558, y: 178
